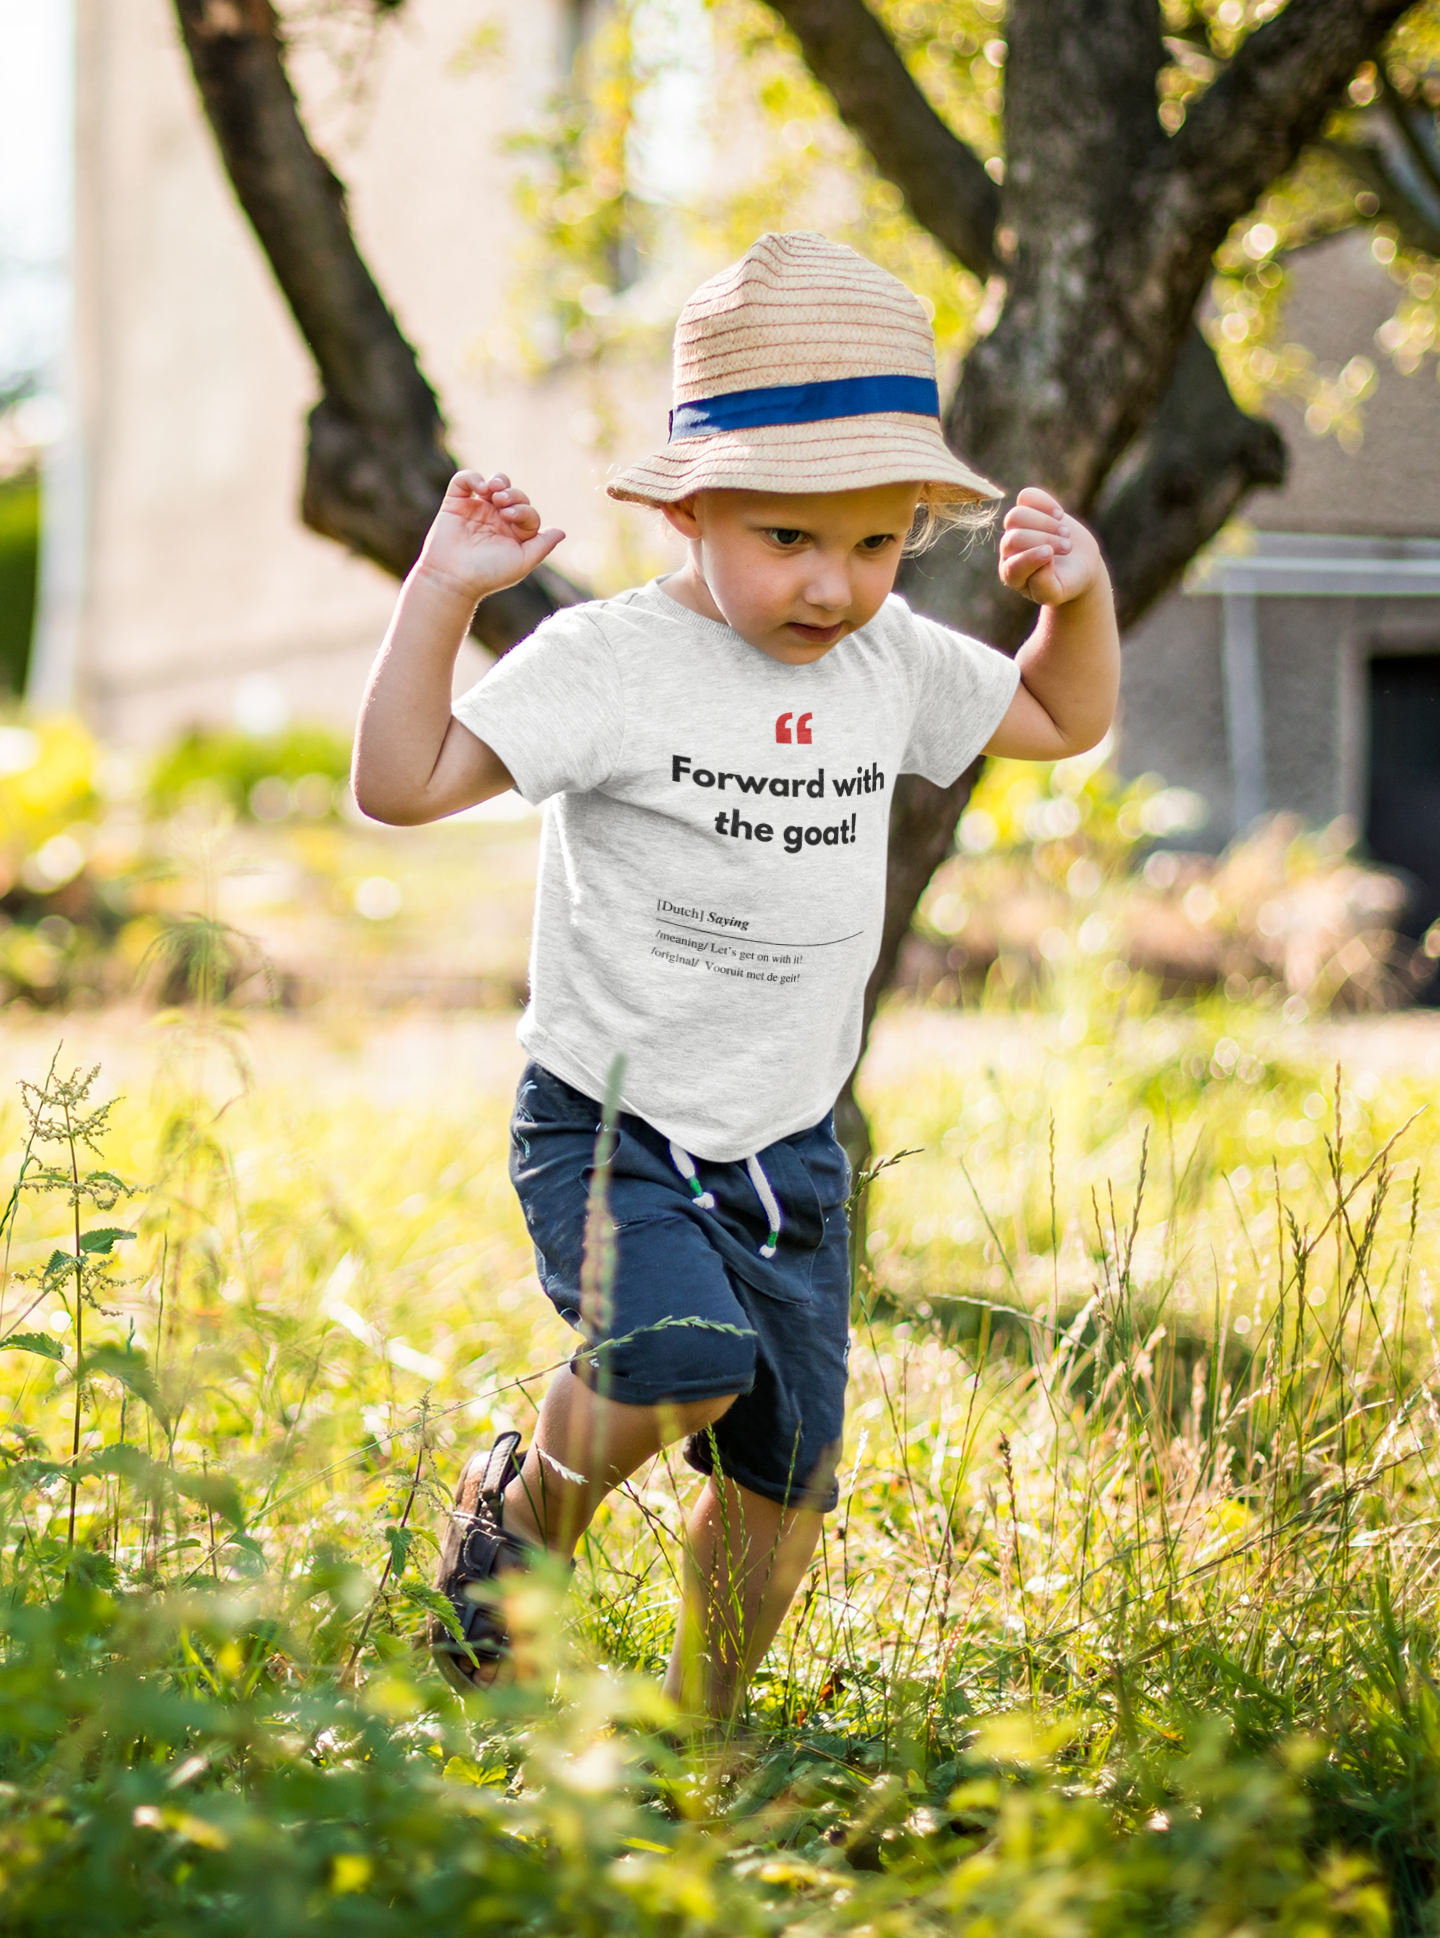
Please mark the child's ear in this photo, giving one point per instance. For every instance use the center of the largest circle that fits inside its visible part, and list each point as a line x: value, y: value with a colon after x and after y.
x: 682, y: 517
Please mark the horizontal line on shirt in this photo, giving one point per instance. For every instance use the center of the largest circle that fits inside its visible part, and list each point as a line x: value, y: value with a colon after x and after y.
x: 760, y: 941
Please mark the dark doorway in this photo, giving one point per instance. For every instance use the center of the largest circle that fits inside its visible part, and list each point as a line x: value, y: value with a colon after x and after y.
x: 1403, y: 823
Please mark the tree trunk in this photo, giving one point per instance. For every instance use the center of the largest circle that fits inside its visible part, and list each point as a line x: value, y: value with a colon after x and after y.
x: 377, y: 463
x: 1199, y: 459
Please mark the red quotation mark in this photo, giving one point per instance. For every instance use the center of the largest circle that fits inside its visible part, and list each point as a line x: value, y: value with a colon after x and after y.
x: 802, y: 729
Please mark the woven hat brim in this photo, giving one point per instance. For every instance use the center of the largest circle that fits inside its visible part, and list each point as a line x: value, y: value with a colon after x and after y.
x: 835, y: 454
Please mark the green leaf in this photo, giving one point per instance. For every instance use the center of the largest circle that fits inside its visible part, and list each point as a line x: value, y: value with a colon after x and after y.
x: 132, y: 1369
x: 104, y: 1240
x: 399, y: 1540
x: 248, y: 1551
x: 60, y: 1265
x: 34, y: 1342
x: 127, y: 1461
x: 426, y: 1597
x: 107, y: 1177
x: 211, y: 1490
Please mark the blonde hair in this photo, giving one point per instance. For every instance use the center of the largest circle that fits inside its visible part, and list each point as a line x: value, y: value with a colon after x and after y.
x: 934, y: 517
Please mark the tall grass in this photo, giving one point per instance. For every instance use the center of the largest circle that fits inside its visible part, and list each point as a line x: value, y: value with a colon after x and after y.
x: 1124, y: 1623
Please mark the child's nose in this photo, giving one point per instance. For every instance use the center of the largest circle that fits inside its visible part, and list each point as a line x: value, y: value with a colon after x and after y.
x: 828, y: 586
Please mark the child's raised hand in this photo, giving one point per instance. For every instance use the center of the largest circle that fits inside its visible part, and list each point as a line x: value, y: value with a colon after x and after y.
x: 1049, y: 556
x: 486, y: 535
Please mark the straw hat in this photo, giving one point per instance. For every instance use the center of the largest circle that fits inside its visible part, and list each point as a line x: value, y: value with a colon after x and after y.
x: 803, y: 367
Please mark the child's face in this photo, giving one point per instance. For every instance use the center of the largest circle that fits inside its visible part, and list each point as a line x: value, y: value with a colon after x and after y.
x: 792, y: 573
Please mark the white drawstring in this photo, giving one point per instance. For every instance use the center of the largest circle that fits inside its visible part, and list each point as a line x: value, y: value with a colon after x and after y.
x: 681, y: 1160
x: 684, y: 1164
x: 769, y: 1201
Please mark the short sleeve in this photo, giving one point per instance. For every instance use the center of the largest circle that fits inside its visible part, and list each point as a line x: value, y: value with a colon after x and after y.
x: 551, y: 708
x: 961, y: 691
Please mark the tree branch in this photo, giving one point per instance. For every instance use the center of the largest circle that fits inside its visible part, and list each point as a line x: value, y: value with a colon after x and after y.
x: 1249, y: 127
x: 942, y: 180
x: 377, y: 465
x: 1198, y: 459
x: 1398, y: 159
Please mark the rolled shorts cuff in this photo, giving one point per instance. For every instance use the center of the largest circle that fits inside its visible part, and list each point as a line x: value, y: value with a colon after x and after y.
x: 795, y: 1493
x: 629, y: 1391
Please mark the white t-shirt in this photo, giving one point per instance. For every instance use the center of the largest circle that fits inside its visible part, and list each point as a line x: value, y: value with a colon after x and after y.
x: 712, y: 863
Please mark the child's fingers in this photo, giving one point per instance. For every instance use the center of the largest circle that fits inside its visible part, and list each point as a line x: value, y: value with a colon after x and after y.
x: 1021, y: 538
x: 475, y: 484
x: 1021, y: 567
x: 1038, y: 499
x: 540, y: 546
x: 1026, y: 541
x: 1030, y: 545
x: 1049, y: 531
x: 1027, y: 520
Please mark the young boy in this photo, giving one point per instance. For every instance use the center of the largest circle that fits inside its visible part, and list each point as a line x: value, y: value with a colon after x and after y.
x: 716, y: 753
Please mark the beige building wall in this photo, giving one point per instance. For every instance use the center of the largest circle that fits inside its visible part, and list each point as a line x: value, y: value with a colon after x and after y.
x: 1312, y: 652
x: 1390, y: 486
x: 179, y: 581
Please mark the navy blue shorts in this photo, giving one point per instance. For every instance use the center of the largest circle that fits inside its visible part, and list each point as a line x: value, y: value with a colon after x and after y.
x: 695, y: 1310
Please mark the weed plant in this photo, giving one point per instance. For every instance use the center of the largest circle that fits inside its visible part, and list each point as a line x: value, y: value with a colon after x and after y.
x: 1124, y: 1624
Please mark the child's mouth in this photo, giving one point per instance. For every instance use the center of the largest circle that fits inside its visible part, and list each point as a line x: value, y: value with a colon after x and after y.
x: 817, y: 635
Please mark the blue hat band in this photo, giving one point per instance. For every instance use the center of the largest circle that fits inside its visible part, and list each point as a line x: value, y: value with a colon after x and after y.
x: 745, y: 410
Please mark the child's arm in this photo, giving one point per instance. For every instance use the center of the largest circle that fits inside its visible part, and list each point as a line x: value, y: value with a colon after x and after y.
x: 1070, y: 664
x: 413, y: 760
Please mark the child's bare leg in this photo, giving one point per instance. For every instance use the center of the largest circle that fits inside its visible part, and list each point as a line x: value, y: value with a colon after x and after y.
x: 593, y: 1444
x: 745, y: 1557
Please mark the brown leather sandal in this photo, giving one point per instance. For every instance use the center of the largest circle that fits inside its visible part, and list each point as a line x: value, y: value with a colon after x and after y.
x: 475, y: 1543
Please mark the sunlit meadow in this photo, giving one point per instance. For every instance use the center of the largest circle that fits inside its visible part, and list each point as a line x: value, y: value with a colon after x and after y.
x: 1123, y: 1624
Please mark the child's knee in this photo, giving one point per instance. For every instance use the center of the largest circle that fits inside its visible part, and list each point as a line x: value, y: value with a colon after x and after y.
x: 681, y: 1419
x: 693, y: 1416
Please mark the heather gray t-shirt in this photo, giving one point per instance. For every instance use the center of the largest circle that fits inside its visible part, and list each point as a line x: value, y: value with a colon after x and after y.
x: 712, y: 863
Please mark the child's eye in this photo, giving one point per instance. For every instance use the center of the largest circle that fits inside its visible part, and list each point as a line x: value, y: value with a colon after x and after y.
x: 877, y: 541
x: 785, y: 537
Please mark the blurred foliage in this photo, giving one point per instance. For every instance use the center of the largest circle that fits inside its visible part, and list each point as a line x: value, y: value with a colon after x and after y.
x: 87, y: 880
x: 239, y: 861
x: 585, y: 231
x: 19, y: 570
x: 815, y: 175
x: 266, y: 777
x: 63, y: 887
x: 47, y: 779
x: 1377, y: 167
x: 591, y: 290
x: 1067, y: 873
x: 223, y: 1792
